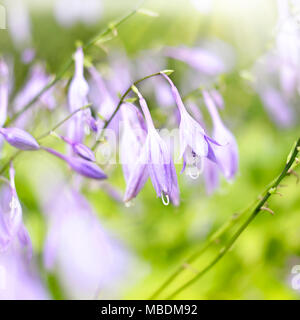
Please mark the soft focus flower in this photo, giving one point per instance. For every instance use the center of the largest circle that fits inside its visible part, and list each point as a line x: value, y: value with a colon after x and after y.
x: 69, y: 12
x: 28, y: 55
x: 100, y: 95
x: 11, y: 225
x: 277, y: 107
x: 203, y: 6
x: 18, y: 278
x: 4, y: 83
x: 84, y: 167
x: 227, y: 154
x: 19, y: 24
x: 78, y: 98
x: 120, y: 78
x: 88, y: 261
x: 36, y: 81
x: 211, y: 176
x: 288, y: 47
x: 19, y: 138
x: 156, y: 158
x: 210, y: 58
x: 277, y: 77
x: 149, y: 63
x: 277, y: 103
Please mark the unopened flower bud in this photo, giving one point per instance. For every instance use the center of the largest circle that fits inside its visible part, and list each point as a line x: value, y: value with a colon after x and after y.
x: 19, y: 139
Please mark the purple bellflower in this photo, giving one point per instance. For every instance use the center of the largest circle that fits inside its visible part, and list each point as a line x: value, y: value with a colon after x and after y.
x: 104, y: 99
x: 156, y: 158
x: 19, y: 279
x: 12, y: 228
x: 38, y: 78
x: 4, y: 83
x: 100, y: 95
x: 211, y: 174
x: 19, y: 24
x: 201, y: 59
x: 195, y: 145
x: 84, y: 167
x: 87, y: 260
x: 134, y: 134
x: 227, y: 154
x: 19, y: 138
x: 78, y: 98
x: 288, y: 48
x: 277, y: 107
x: 70, y: 12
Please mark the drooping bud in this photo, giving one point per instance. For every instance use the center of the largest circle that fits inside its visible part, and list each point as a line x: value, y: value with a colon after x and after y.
x: 80, y: 149
x: 84, y: 167
x: 19, y: 138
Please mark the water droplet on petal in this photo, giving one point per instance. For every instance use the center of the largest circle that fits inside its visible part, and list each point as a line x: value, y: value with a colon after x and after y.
x: 193, y: 173
x: 165, y: 199
x: 129, y: 204
x: 197, y: 168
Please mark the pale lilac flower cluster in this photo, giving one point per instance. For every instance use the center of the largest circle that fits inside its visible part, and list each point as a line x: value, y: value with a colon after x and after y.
x: 277, y: 77
x: 85, y: 257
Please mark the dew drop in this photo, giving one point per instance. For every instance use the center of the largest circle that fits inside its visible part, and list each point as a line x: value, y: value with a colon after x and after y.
x: 165, y: 199
x: 129, y: 204
x: 194, y: 173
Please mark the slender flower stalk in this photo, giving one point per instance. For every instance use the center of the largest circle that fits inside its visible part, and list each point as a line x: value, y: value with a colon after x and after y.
x: 84, y: 167
x: 44, y: 135
x: 79, y: 149
x: 290, y: 164
x: 123, y: 97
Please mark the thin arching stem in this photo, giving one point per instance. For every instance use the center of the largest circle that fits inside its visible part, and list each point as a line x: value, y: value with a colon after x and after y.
x: 212, y: 239
x: 42, y: 136
x: 258, y: 208
x: 122, y: 99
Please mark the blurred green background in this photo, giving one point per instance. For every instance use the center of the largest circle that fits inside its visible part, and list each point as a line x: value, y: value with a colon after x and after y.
x: 259, y: 265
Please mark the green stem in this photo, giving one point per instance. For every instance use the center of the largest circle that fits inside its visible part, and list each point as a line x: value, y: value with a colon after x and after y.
x: 213, y: 238
x: 44, y: 135
x: 110, y: 28
x: 121, y: 101
x: 257, y: 209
